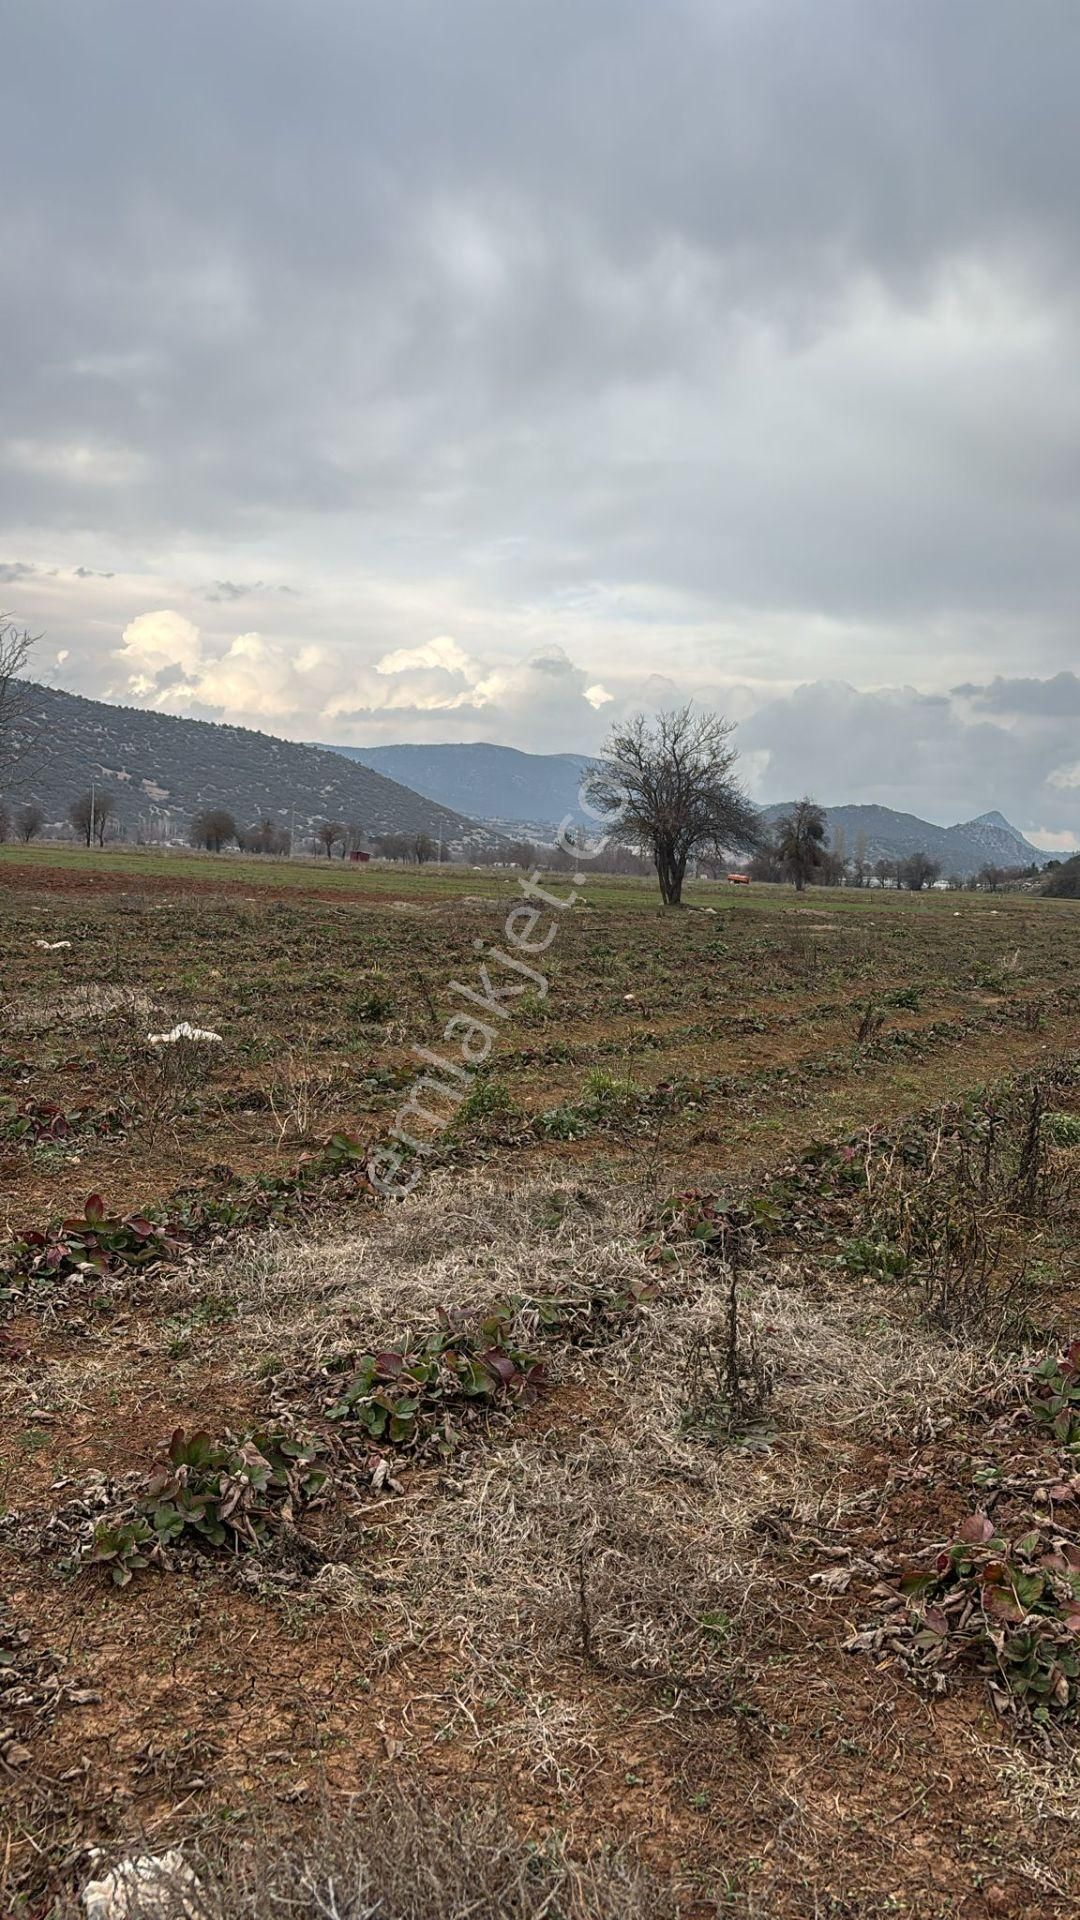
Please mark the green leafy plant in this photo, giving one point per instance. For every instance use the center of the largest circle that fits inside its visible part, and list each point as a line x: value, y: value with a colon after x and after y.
x: 221, y: 1491
x: 1054, y: 1395
x: 373, y: 1008
x: 411, y: 1398
x: 1011, y: 1608
x: 562, y: 1123
x: 42, y: 1122
x: 874, y: 1259
x: 1063, y: 1129
x: 124, y: 1548
x: 94, y: 1242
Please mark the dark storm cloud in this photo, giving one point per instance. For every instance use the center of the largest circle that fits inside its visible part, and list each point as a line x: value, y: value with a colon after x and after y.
x: 1056, y: 698
x: 914, y: 753
x: 767, y: 310
x: 233, y: 589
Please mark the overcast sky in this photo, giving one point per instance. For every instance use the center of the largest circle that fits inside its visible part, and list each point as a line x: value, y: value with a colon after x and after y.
x: 382, y: 370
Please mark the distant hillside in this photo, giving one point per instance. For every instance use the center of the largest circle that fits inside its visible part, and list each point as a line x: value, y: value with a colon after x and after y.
x: 537, y: 790
x: 1064, y: 883
x: 162, y: 770
x: 963, y: 849
x: 490, y: 783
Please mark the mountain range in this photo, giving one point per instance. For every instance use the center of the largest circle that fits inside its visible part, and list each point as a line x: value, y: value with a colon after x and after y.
x: 523, y: 790
x: 531, y: 792
x: 879, y: 833
x: 161, y: 770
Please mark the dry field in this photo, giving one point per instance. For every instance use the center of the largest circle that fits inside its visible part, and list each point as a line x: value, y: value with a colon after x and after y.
x: 672, y: 1506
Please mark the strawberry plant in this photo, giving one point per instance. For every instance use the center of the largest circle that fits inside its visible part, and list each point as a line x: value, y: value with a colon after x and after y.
x: 1054, y: 1399
x: 1012, y: 1608
x: 41, y: 1122
x: 93, y: 1243
x: 872, y: 1259
x: 221, y: 1492
x: 406, y: 1397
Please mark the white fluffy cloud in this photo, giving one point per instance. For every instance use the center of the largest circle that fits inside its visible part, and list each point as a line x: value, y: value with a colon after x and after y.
x: 321, y: 691
x: 157, y: 647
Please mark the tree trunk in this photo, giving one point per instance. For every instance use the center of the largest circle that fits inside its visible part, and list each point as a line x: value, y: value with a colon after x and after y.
x: 669, y: 872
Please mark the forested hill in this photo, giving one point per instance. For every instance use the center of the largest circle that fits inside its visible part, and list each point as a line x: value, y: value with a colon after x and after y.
x: 882, y: 834
x: 162, y: 770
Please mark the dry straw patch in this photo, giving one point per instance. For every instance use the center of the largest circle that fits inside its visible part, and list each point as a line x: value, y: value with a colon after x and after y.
x: 602, y: 1529
x: 461, y: 1242
x: 396, y: 1854
x: 82, y: 1006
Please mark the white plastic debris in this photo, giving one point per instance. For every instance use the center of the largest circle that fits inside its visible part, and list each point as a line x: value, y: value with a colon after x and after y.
x: 185, y: 1031
x: 151, y: 1886
x: 51, y: 946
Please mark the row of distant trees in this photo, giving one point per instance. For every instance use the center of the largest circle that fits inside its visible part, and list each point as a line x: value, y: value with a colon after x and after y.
x: 215, y: 828
x: 798, y: 850
x: 91, y: 815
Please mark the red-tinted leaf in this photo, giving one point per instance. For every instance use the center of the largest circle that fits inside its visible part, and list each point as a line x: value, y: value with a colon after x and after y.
x: 976, y: 1530
x: 1003, y: 1604
x: 500, y: 1364
x: 94, y: 1208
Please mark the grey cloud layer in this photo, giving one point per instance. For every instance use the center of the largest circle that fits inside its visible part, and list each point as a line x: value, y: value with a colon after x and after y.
x: 743, y: 335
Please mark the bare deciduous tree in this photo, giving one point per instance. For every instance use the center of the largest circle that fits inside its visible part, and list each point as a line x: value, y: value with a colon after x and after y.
x: 29, y: 821
x: 90, y: 814
x: 919, y: 870
x: 800, y: 840
x: 17, y: 731
x: 329, y: 834
x: 668, y: 784
x: 213, y: 828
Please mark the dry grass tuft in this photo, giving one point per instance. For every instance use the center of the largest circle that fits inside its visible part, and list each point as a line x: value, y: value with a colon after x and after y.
x: 464, y: 1241
x: 396, y: 1855
x: 846, y: 1364
x: 87, y: 1005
